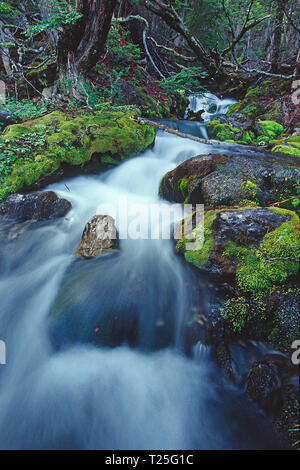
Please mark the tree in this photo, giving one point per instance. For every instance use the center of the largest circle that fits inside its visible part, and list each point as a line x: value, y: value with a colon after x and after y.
x: 83, y: 43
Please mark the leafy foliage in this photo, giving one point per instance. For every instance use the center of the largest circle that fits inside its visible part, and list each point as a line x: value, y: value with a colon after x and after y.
x: 185, y: 80
x: 24, y: 109
x: 61, y: 14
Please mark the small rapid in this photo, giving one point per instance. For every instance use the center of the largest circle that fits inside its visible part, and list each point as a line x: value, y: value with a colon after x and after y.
x: 211, y: 105
x: 86, y: 397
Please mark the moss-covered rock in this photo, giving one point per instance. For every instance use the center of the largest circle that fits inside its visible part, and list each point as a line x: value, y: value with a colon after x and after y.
x: 264, y: 100
x: 182, y: 183
x: 242, y: 243
x: 270, y: 129
x: 222, y: 180
x: 288, y: 146
x: 240, y: 246
x: 221, y: 131
x: 39, y: 147
x: 260, y: 132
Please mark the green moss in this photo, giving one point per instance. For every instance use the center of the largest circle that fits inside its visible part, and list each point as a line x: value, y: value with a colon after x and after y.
x: 183, y: 186
x: 69, y: 138
x: 221, y: 131
x: 270, y: 129
x: 248, y: 137
x: 247, y: 204
x: 236, y: 312
x: 249, y: 189
x: 290, y: 146
x: 253, y: 102
x: 202, y: 237
x: 256, y: 275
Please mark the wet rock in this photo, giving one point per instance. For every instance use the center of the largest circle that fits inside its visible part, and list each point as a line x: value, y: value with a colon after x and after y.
x: 100, y: 237
x: 216, y: 180
x: 249, y: 179
x: 6, y: 119
x: 195, y: 116
x: 273, y: 383
x: 239, y: 247
x: 110, y: 300
x: 248, y: 226
x: 35, y: 206
x: 264, y: 385
x: 240, y: 120
x: 184, y: 182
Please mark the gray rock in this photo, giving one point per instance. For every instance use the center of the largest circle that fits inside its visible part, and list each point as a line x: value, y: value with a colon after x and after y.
x: 34, y: 206
x: 241, y: 121
x: 100, y: 237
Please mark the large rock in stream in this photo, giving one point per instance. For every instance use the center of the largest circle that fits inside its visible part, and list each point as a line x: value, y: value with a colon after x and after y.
x: 239, y: 246
x: 222, y: 180
x: 35, y: 206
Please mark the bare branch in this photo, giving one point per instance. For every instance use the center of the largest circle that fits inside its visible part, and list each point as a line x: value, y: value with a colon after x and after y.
x: 146, y: 28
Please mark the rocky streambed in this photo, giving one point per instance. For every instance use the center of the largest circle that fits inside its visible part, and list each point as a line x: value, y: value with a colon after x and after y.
x: 236, y: 297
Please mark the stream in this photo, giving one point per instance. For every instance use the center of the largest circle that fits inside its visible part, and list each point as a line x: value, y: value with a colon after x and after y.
x: 86, y: 397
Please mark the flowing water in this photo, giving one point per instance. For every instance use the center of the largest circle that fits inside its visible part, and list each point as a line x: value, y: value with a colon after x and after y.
x: 211, y: 105
x: 86, y: 397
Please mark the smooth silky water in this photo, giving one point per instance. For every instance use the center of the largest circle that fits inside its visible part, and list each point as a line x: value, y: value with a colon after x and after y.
x: 87, y: 397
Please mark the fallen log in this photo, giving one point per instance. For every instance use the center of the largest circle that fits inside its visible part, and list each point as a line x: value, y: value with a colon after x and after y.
x: 165, y: 128
x: 257, y: 153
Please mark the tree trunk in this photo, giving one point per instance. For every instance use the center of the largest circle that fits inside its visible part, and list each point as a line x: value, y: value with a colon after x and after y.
x: 274, y: 56
x: 83, y: 44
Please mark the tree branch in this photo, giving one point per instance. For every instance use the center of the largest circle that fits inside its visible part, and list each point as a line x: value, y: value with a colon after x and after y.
x: 146, y: 28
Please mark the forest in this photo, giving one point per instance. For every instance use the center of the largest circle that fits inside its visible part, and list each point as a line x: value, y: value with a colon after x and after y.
x: 117, y: 109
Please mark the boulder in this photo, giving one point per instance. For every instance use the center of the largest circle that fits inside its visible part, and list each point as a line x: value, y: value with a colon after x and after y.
x: 231, y: 240
x: 36, y: 206
x: 183, y: 183
x: 100, y: 237
x: 109, y: 300
x: 240, y: 120
x: 240, y: 249
x: 222, y: 180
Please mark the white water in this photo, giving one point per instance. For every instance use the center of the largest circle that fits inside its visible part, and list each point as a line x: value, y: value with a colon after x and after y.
x: 211, y: 104
x: 96, y: 398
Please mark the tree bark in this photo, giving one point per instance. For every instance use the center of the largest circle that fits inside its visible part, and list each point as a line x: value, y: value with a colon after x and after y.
x: 274, y: 55
x: 83, y: 44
